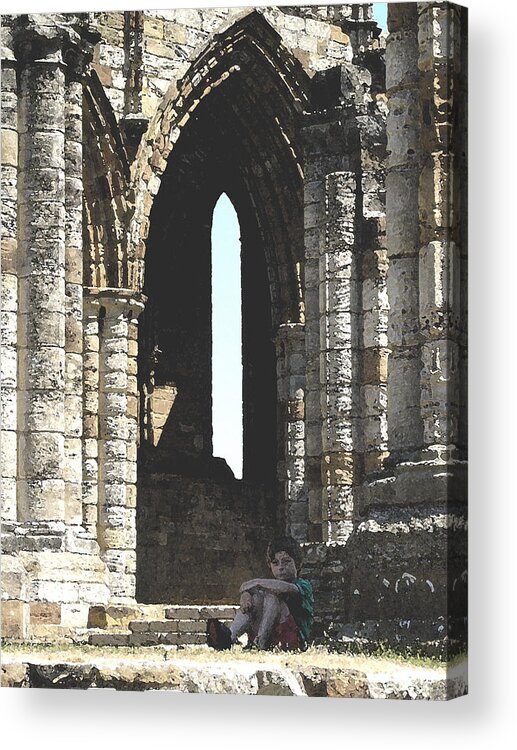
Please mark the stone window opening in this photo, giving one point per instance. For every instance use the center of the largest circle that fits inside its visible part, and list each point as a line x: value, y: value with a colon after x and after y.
x: 227, y: 407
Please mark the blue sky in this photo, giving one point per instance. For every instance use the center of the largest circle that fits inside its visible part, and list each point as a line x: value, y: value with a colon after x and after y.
x: 380, y: 11
x: 226, y: 335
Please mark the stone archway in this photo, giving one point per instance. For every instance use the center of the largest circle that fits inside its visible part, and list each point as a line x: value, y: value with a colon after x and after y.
x: 239, y: 136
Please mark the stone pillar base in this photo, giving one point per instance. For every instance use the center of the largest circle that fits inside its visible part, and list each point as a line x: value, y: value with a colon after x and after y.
x: 431, y: 482
x: 52, y: 573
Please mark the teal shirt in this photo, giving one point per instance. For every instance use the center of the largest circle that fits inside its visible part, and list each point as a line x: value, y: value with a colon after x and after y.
x: 302, y: 609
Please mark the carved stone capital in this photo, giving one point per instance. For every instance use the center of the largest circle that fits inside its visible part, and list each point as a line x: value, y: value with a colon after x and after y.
x: 115, y: 301
x: 58, y: 38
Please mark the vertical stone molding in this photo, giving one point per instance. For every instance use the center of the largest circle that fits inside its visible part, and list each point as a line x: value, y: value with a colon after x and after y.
x: 41, y: 269
x: 119, y: 310
x: 90, y: 412
x: 314, y: 210
x: 402, y: 231
x: 133, y: 122
x: 339, y: 343
x: 9, y: 289
x: 439, y: 282
x: 290, y: 347
x: 374, y: 296
x: 73, y: 288
x: 320, y: 128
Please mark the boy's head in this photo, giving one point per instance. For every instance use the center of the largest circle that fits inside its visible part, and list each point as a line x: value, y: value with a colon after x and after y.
x: 284, y: 556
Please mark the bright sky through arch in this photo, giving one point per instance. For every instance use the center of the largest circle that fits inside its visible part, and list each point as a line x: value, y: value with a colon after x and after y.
x: 380, y: 14
x: 226, y: 335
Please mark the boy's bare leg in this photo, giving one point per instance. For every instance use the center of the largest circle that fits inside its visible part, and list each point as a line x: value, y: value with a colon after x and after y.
x: 260, y: 615
x: 248, y: 616
x: 274, y: 610
x: 241, y: 623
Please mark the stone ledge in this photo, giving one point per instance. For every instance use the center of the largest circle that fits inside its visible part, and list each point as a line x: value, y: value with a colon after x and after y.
x: 250, y: 676
x: 193, y: 612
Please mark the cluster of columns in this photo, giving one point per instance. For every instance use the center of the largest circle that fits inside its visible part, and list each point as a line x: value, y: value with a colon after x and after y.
x: 345, y: 305
x: 69, y: 385
x: 422, y: 231
x: 110, y: 426
x: 331, y: 325
x: 442, y: 202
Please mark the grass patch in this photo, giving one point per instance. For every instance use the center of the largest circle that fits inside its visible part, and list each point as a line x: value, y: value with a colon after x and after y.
x: 381, y: 659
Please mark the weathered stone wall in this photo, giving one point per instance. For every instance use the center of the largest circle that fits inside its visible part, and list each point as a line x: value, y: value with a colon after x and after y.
x: 396, y: 582
x: 415, y: 510
x: 168, y: 40
x: 199, y: 538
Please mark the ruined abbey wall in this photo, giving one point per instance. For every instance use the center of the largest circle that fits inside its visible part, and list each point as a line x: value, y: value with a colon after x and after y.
x: 344, y: 155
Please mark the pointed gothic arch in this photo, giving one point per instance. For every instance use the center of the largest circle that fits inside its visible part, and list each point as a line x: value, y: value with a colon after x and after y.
x: 232, y: 128
x: 248, y: 62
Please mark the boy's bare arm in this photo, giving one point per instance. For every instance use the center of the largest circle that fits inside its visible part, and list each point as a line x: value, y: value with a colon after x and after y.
x: 270, y: 584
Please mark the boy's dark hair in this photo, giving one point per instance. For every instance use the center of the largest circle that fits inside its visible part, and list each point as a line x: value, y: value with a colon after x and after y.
x: 284, y: 544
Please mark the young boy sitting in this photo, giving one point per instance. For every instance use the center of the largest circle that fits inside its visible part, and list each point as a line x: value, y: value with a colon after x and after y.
x: 274, y: 611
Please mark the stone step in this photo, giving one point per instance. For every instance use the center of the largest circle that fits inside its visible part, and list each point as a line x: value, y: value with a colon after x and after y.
x: 169, y: 626
x: 147, y: 639
x: 177, y: 625
x: 201, y: 612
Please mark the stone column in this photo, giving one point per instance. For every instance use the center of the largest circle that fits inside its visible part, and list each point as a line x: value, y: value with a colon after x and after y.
x: 375, y: 309
x: 329, y: 138
x: 438, y: 31
x: 41, y: 268
x: 340, y: 307
x: 290, y: 347
x: 314, y: 199
x: 74, y: 288
x: 119, y: 310
x: 90, y: 412
x: 402, y: 232
x: 9, y: 303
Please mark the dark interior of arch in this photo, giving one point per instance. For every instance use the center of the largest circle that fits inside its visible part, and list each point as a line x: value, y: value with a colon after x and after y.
x: 200, y: 532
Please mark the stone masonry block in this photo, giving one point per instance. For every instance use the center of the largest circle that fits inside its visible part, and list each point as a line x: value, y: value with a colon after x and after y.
x: 401, y: 58
x: 403, y: 228
x: 42, y: 411
x: 46, y: 330
x: 46, y: 451
x: 404, y: 128
x: 8, y: 499
x: 342, y: 468
x: 75, y: 615
x: 8, y: 454
x: 15, y: 579
x: 9, y: 147
x: 46, y: 613
x: 46, y: 367
x: 15, y: 619
x: 41, y: 499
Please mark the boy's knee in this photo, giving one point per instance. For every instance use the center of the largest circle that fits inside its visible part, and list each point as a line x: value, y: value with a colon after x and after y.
x: 272, y: 600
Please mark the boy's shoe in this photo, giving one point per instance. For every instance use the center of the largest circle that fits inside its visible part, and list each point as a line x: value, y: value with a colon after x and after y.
x: 218, y: 635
